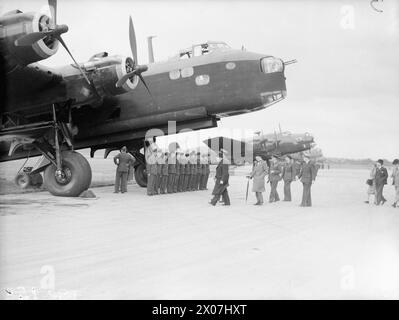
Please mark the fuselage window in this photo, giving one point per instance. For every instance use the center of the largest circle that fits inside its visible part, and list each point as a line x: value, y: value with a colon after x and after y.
x: 187, y: 72
x: 174, y: 74
x: 202, y: 80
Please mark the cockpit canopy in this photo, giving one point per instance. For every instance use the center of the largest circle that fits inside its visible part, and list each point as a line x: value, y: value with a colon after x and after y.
x: 201, y: 49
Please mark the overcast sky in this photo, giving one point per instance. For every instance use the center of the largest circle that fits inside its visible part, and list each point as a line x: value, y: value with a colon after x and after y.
x: 344, y: 88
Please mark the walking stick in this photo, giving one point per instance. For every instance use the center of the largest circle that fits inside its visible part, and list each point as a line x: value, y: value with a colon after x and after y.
x: 246, y: 195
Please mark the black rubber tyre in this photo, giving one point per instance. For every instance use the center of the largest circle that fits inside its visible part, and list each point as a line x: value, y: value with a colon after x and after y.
x: 79, y: 176
x: 36, y: 180
x: 140, y: 175
x: 23, y: 180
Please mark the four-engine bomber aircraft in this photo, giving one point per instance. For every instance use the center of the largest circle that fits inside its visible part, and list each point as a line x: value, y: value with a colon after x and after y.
x: 264, y: 145
x: 110, y: 101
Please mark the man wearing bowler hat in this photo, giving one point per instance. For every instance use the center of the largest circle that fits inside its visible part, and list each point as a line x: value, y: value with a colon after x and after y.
x: 221, y: 180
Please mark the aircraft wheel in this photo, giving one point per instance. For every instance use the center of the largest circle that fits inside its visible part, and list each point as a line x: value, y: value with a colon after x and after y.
x: 74, y: 178
x: 140, y: 175
x: 23, y: 180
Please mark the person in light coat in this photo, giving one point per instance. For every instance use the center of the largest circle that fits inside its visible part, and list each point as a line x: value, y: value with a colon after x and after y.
x: 395, y: 182
x: 371, y: 199
x: 258, y: 174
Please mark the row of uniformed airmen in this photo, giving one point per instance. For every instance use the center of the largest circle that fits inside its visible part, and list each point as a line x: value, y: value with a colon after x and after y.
x: 176, y: 171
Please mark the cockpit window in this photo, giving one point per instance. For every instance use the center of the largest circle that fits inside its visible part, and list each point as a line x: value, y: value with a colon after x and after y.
x: 202, y: 49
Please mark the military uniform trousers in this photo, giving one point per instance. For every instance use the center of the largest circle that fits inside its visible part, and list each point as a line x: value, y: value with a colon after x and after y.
x: 205, y: 181
x: 180, y: 186
x: 287, y: 190
x: 121, y: 181
x: 306, y: 195
x: 187, y: 179
x: 193, y: 182
x: 176, y: 183
x: 273, y: 192
x: 163, y: 184
x: 151, y: 181
x: 158, y: 181
x: 199, y: 179
x: 171, y: 182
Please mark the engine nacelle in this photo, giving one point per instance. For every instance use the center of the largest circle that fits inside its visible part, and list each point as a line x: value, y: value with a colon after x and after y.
x: 106, y: 71
x: 17, y: 24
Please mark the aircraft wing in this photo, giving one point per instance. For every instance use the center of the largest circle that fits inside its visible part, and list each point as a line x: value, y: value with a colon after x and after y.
x: 25, y: 82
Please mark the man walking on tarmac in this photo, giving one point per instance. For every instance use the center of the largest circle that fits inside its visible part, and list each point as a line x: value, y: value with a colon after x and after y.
x: 221, y: 180
x: 123, y: 160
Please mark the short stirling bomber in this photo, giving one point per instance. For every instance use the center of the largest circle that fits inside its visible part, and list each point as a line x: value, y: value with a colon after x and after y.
x: 264, y: 145
x: 111, y: 101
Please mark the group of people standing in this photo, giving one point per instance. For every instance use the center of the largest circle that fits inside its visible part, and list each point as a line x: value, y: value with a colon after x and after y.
x: 287, y: 172
x: 378, y: 179
x: 171, y: 172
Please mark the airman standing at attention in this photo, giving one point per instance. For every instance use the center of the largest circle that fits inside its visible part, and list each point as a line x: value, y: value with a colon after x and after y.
x: 203, y: 172
x: 172, y: 172
x: 123, y: 160
x: 199, y: 171
x: 207, y: 171
x: 151, y: 171
x: 160, y: 162
x: 176, y: 185
x: 193, y: 165
x: 221, y: 180
x: 187, y: 172
x: 164, y: 174
x: 274, y: 178
x: 183, y: 162
x: 178, y: 171
x: 289, y: 174
x: 307, y: 176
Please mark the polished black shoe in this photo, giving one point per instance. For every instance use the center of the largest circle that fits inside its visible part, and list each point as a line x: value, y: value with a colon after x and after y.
x: 210, y: 202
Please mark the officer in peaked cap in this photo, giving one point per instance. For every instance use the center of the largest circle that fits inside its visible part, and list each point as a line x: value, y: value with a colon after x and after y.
x: 151, y: 168
x: 171, y: 172
x: 187, y: 171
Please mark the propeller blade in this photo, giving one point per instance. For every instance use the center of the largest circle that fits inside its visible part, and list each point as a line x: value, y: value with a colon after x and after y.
x: 122, y: 80
x: 145, y: 85
x: 69, y: 52
x: 137, y: 71
x: 31, y: 38
x: 132, y: 39
x: 53, y: 10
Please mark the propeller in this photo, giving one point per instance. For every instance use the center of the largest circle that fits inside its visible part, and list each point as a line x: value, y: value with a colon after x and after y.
x: 50, y: 29
x: 137, y: 69
x: 290, y: 62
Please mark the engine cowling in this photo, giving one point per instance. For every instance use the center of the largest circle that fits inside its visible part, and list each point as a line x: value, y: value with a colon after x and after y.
x: 17, y: 24
x: 105, y: 73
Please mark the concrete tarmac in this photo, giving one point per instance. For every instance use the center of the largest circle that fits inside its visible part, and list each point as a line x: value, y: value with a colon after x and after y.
x: 177, y: 246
